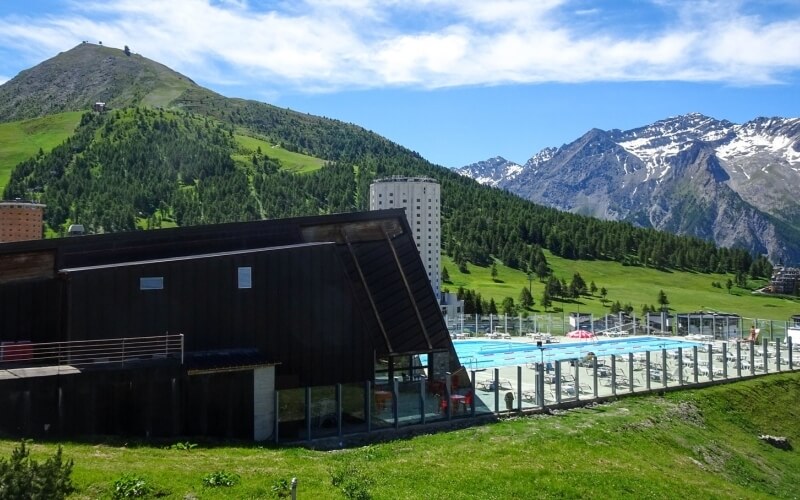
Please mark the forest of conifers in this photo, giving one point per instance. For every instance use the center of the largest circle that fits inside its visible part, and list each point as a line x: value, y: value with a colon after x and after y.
x: 142, y: 167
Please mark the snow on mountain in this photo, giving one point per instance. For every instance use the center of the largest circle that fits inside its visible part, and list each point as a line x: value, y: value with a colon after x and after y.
x: 776, y: 136
x: 655, y: 144
x: 491, y: 171
x: 690, y: 174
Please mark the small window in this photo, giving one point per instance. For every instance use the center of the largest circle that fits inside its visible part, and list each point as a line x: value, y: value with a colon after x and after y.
x: 151, y: 283
x: 245, y: 277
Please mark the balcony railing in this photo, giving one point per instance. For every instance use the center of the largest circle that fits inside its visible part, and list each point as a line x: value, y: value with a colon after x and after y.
x: 82, y: 353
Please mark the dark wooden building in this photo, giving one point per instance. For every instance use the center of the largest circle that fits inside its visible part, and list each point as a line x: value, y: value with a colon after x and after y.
x: 242, y: 310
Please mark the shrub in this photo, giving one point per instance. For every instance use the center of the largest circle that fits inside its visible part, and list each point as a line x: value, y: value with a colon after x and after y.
x: 186, y: 446
x: 352, y: 481
x: 131, y: 486
x: 281, y: 488
x: 220, y: 478
x: 24, y: 478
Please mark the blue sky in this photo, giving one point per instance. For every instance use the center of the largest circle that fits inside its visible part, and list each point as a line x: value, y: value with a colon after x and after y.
x: 456, y: 80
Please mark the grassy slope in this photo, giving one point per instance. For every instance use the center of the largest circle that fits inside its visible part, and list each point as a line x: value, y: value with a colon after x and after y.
x: 635, y: 285
x: 293, y: 162
x: 697, y: 444
x: 22, y: 139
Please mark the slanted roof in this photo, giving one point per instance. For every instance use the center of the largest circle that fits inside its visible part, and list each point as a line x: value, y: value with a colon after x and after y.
x: 376, y: 249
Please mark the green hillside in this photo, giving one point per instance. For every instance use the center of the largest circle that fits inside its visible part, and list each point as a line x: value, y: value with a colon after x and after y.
x: 297, y: 163
x: 23, y: 139
x: 637, y: 286
x: 689, y: 444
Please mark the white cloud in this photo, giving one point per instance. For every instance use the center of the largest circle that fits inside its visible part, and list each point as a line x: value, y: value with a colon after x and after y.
x: 315, y: 45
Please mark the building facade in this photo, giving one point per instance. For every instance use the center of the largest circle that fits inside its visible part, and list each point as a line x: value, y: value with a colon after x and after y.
x: 20, y: 221
x: 785, y: 280
x: 420, y: 197
x: 88, y: 326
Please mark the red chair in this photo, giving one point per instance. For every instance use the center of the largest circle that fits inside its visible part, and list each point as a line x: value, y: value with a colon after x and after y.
x: 442, y: 405
x: 467, y: 401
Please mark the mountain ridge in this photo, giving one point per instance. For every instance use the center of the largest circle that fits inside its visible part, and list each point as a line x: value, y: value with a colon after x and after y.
x: 744, y: 185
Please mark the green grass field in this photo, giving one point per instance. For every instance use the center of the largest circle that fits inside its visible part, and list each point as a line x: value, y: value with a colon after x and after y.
x: 686, y: 292
x: 293, y: 162
x: 21, y: 140
x: 690, y: 444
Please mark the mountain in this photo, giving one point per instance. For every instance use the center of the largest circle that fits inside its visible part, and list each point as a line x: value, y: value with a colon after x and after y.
x: 736, y: 185
x: 89, y: 73
x: 170, y: 152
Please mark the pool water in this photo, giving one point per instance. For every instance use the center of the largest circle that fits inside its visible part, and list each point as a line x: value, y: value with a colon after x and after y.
x: 475, y: 354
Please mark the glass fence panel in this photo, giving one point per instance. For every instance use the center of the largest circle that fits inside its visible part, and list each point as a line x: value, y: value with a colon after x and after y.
x: 323, y: 415
x: 382, y: 405
x: 409, y: 409
x: 354, y: 418
x: 291, y: 415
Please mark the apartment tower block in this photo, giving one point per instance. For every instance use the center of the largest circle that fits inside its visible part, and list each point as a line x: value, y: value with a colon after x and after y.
x: 420, y: 197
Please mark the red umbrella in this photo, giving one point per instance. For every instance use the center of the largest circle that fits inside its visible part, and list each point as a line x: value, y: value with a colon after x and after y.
x: 580, y: 334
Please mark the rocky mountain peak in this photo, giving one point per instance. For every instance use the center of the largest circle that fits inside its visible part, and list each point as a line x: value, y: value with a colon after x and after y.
x: 689, y: 174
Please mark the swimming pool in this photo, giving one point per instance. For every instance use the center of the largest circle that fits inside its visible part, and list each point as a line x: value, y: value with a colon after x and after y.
x: 476, y: 354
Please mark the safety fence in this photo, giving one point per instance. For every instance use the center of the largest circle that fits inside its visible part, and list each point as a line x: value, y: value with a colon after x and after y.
x: 314, y: 413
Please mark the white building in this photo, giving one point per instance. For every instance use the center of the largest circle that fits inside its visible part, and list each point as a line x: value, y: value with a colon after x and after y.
x: 420, y: 196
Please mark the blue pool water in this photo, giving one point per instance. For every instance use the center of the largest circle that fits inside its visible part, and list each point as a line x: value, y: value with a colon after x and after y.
x: 475, y: 354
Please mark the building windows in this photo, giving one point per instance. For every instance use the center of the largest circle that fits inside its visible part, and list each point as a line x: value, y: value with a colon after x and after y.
x: 245, y: 277
x: 151, y: 283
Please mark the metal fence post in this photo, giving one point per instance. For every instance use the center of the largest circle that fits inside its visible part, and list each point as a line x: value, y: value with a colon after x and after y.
x: 519, y: 388
x: 308, y: 412
x: 789, y: 346
x: 738, y: 360
x: 368, y: 404
x: 496, y: 391
x: 694, y: 362
x: 595, y: 386
x: 765, y: 354
x: 752, y: 358
x: 680, y: 365
x: 647, y: 369
x: 472, y: 402
x: 725, y: 360
x: 396, y: 403
x: 277, y: 417
x: 665, y: 367
x: 339, y: 410
x: 557, y: 381
x: 778, y: 354
x: 540, y: 384
x: 613, y: 375
x: 711, y: 362
x: 630, y: 372
x: 422, y: 401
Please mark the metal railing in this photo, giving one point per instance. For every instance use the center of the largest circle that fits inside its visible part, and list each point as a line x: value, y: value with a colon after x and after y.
x: 81, y: 353
x: 312, y: 413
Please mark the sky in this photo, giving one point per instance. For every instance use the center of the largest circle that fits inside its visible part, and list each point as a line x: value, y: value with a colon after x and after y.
x: 458, y: 81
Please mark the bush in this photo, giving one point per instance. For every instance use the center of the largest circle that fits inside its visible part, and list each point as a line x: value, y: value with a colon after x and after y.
x: 131, y: 486
x: 353, y: 482
x: 220, y: 478
x: 185, y: 446
x: 281, y: 488
x: 24, y: 478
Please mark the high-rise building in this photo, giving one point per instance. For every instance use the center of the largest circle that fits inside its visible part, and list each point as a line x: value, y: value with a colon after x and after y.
x: 20, y: 221
x: 420, y: 197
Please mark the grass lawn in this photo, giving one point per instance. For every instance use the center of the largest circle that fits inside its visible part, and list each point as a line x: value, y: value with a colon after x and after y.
x: 293, y: 162
x: 685, y: 291
x: 690, y: 444
x: 22, y: 140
